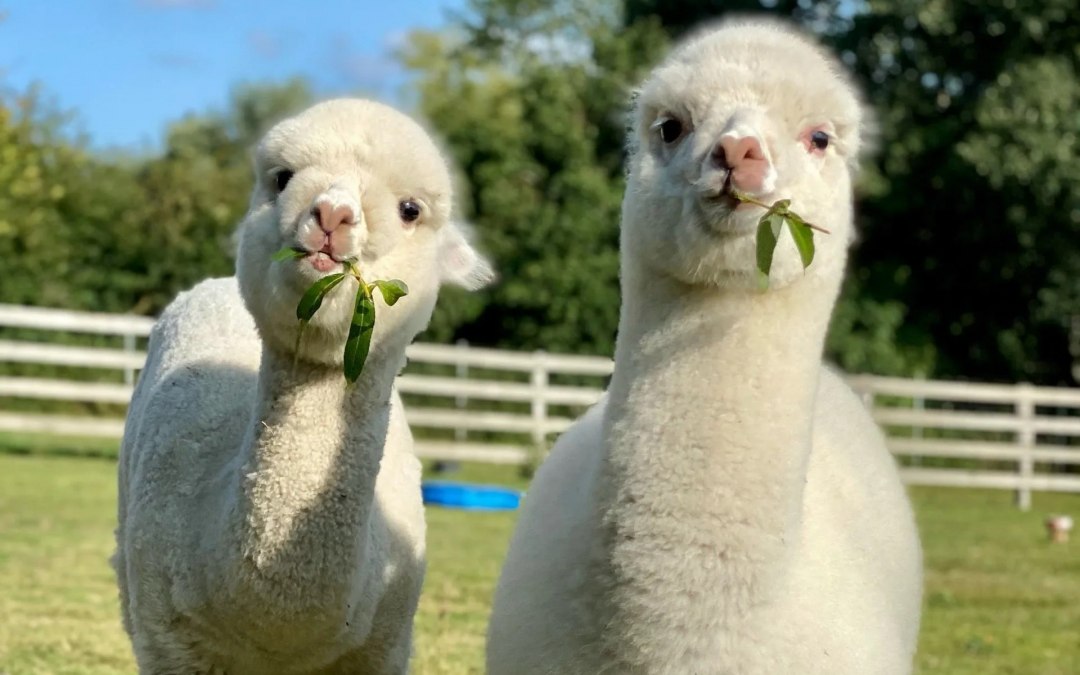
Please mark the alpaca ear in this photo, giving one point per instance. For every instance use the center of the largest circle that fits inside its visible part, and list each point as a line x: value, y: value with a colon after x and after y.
x: 459, y: 262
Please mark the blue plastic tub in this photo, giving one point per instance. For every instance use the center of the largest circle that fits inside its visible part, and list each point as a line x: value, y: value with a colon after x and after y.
x: 469, y: 496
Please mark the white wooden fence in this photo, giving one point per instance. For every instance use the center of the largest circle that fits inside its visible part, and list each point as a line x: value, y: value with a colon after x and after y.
x: 466, y: 403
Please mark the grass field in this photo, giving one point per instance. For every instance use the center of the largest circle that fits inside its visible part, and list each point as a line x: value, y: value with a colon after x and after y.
x: 999, y: 600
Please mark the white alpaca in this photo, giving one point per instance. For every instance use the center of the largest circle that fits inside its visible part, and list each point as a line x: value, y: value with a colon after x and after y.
x: 730, y: 507
x: 270, y: 518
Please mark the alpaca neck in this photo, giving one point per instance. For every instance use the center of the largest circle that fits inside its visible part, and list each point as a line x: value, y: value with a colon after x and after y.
x: 307, y: 475
x: 707, y: 437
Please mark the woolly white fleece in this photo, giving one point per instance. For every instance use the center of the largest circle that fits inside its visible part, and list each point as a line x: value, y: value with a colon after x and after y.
x: 729, y: 507
x: 270, y: 518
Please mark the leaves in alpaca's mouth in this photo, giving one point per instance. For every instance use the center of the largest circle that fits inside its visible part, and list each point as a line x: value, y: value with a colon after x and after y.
x: 768, y: 235
x: 288, y: 253
x: 358, y: 344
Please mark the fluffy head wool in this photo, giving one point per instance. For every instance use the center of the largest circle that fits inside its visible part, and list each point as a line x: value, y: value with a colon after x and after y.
x: 370, y: 158
x: 743, y: 78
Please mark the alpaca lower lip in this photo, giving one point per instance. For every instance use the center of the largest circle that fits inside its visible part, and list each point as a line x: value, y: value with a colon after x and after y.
x: 322, y: 261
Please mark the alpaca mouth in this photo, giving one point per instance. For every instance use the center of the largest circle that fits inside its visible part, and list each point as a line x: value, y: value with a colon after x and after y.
x: 721, y: 214
x: 324, y: 259
x: 725, y: 194
x: 721, y: 197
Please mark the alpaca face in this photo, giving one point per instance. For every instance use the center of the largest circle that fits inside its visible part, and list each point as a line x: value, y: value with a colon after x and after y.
x: 749, y: 107
x: 350, y: 180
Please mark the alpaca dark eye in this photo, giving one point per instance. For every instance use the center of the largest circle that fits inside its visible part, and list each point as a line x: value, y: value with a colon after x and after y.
x: 409, y: 210
x: 819, y: 140
x: 282, y: 178
x: 670, y: 130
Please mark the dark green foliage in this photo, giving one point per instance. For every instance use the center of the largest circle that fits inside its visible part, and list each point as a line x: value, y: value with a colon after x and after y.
x: 975, y: 223
x: 531, y: 101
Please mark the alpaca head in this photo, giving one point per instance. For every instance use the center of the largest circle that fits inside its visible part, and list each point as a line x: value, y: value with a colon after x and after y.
x: 350, y: 179
x: 754, y: 106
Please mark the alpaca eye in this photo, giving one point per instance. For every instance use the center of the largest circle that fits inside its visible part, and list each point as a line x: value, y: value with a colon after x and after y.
x: 670, y: 130
x: 282, y: 178
x: 819, y: 140
x: 409, y: 210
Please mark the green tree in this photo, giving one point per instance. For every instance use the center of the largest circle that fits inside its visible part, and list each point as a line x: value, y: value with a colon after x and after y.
x: 975, y: 223
x: 196, y: 192
x: 37, y: 165
x: 125, y: 234
x: 678, y: 16
x: 530, y: 99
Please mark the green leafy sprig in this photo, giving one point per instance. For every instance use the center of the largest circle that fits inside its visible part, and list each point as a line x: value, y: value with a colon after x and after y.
x: 358, y: 344
x: 768, y: 235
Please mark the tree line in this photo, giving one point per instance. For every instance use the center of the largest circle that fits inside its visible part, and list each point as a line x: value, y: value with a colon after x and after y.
x: 967, y: 264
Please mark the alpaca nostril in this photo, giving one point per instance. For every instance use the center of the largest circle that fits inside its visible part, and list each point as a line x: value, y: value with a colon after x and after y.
x: 738, y: 150
x: 719, y: 157
x: 331, y: 218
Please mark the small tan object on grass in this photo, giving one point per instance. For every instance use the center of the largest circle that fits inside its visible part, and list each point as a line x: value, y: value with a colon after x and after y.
x: 1058, y: 528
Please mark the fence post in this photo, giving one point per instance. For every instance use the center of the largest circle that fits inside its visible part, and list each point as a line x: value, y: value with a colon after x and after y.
x: 129, y: 347
x: 1025, y: 438
x: 868, y: 399
x: 539, y: 382
x: 461, y: 371
x: 919, y: 404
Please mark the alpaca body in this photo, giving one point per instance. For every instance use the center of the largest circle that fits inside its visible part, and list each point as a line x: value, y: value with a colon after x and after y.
x: 689, y: 590
x: 218, y: 585
x: 730, y: 507
x: 270, y: 518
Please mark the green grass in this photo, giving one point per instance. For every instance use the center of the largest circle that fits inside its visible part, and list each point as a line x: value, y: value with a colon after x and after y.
x: 58, y: 446
x: 1000, y: 599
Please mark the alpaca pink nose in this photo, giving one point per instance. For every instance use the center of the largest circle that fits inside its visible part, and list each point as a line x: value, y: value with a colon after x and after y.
x: 745, y: 159
x: 331, y: 218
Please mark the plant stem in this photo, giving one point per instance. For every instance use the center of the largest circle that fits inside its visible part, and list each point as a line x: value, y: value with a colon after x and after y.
x: 747, y: 199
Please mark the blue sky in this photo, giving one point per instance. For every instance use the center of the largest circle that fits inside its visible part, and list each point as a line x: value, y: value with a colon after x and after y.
x: 127, y: 67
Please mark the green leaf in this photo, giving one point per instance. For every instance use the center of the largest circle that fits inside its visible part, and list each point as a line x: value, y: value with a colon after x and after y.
x: 359, y: 341
x: 288, y: 253
x: 767, y: 235
x: 391, y: 290
x: 803, y: 236
x: 781, y: 207
x: 313, y: 297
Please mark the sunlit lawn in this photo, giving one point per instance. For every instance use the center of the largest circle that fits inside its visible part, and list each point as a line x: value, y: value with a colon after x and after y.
x: 999, y: 598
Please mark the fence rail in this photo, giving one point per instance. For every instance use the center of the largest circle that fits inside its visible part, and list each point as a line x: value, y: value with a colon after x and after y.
x: 467, y: 403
